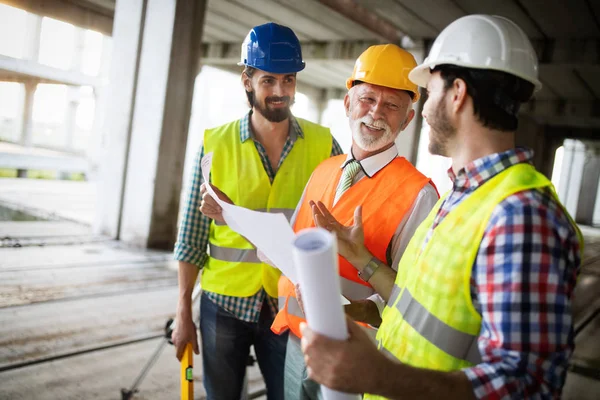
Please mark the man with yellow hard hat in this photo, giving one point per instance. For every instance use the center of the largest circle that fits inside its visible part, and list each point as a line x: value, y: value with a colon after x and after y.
x: 370, y: 190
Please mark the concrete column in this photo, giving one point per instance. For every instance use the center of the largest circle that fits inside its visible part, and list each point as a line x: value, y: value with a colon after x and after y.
x: 116, y: 124
x: 588, y: 192
x: 571, y: 174
x: 408, y: 140
x: 32, y: 40
x: 93, y: 152
x: 321, y: 105
x: 27, y: 122
x: 31, y: 52
x: 73, y: 95
x: 163, y: 82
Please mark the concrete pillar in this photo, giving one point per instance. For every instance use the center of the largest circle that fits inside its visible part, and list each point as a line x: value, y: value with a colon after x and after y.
x: 93, y: 151
x: 321, y: 105
x: 32, y: 40
x: 31, y: 52
x: 588, y: 192
x: 153, y: 84
x: 408, y: 140
x: 73, y: 94
x: 322, y: 101
x: 571, y: 174
x: 27, y: 122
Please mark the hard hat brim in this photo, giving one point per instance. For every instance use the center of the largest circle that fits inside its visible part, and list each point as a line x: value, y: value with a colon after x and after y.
x: 276, y: 70
x: 421, y: 74
x: 415, y: 97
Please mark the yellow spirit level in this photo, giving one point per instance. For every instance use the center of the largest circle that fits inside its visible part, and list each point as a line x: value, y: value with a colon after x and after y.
x: 187, y: 373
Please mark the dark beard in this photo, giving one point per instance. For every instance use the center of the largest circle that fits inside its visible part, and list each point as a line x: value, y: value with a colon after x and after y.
x: 443, y: 131
x: 277, y: 114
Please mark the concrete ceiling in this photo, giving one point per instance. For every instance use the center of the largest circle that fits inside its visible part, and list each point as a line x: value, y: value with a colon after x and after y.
x: 566, y: 34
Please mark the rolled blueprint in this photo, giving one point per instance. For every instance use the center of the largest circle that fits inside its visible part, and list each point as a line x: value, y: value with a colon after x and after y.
x: 316, y: 262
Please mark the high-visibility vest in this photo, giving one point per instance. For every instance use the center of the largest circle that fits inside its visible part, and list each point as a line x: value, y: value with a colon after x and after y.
x: 386, y: 198
x: 430, y: 321
x: 233, y: 267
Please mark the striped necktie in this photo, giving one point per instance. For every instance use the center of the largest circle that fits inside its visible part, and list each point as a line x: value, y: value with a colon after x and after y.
x: 350, y: 171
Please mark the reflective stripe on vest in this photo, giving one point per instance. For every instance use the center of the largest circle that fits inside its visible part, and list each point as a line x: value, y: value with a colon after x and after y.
x: 293, y: 306
x: 233, y: 255
x: 354, y: 290
x: 452, y: 341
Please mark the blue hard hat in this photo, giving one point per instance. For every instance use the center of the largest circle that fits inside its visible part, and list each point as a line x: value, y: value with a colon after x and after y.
x: 272, y: 48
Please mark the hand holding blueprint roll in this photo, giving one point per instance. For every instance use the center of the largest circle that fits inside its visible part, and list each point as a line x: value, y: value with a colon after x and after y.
x: 316, y: 262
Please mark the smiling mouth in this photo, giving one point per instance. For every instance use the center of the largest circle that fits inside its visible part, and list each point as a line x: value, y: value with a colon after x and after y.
x: 373, y: 128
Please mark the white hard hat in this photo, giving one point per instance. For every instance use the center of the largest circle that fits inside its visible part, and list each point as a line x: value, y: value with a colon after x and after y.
x: 482, y: 42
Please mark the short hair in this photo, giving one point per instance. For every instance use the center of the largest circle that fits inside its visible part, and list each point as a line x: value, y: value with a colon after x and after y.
x: 497, y: 96
x: 249, y: 71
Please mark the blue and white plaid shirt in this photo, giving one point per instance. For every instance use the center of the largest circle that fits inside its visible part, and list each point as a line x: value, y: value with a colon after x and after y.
x: 192, y: 240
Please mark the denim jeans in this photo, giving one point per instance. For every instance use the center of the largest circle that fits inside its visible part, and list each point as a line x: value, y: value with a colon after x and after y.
x: 226, y: 342
x: 297, y: 384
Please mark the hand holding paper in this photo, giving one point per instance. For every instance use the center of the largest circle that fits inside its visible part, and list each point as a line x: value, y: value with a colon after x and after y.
x: 271, y: 233
x: 209, y: 205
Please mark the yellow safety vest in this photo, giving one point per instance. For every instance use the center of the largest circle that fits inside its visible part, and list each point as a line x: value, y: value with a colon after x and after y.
x: 430, y: 321
x: 233, y: 268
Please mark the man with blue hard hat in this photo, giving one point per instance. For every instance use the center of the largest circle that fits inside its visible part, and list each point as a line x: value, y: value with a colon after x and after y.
x: 262, y: 161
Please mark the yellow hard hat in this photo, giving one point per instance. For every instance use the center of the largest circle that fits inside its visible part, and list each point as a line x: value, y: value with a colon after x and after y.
x: 385, y: 65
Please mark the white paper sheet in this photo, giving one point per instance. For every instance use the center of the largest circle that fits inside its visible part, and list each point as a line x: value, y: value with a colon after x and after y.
x: 269, y: 232
x: 315, y: 256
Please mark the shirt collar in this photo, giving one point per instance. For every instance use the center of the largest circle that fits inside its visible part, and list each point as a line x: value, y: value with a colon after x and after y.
x: 246, y: 133
x: 375, y: 163
x: 479, y: 171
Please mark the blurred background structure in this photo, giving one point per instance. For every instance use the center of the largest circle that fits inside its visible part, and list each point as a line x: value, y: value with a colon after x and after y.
x: 102, y: 108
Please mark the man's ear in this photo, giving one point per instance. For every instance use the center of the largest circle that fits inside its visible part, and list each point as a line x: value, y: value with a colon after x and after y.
x: 347, y: 104
x: 247, y: 82
x: 458, y: 94
x: 409, y: 117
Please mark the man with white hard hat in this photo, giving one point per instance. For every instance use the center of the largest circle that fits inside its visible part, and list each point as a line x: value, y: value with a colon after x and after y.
x: 481, y: 306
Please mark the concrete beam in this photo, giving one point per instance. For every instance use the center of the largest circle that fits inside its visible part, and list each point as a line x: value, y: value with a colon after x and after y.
x: 563, y: 113
x: 31, y: 160
x: 364, y: 17
x: 78, y: 13
x: 570, y: 52
x: 229, y: 53
x: 18, y: 70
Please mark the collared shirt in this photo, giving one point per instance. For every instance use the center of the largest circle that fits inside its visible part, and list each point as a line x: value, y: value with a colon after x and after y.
x: 521, y: 284
x: 421, y: 207
x: 192, y: 240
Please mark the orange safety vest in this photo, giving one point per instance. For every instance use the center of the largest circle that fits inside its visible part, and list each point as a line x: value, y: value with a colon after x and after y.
x: 386, y: 197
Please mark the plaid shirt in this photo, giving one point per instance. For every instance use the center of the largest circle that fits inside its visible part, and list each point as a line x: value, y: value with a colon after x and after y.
x: 192, y: 240
x: 521, y: 284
